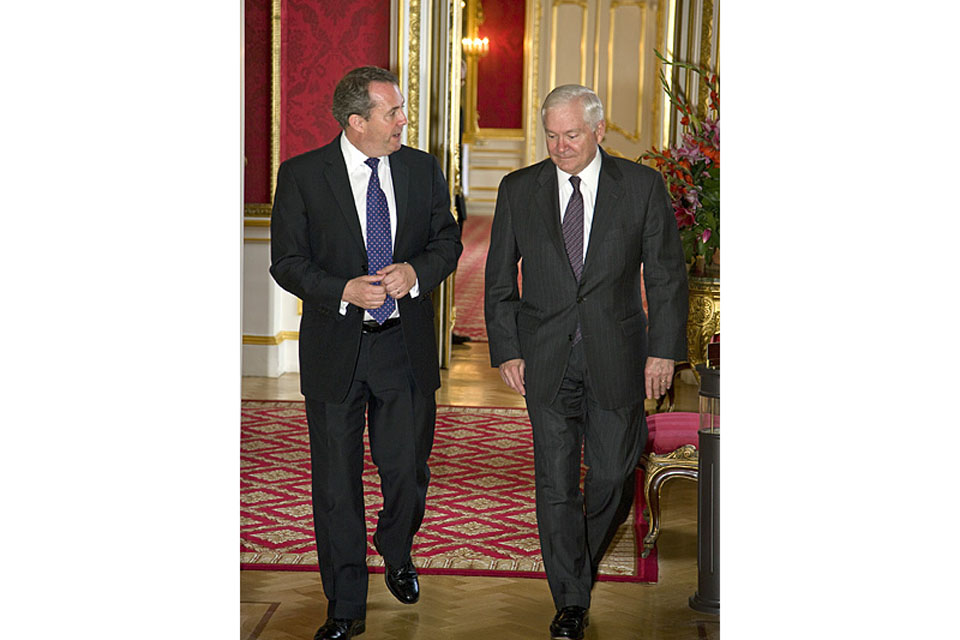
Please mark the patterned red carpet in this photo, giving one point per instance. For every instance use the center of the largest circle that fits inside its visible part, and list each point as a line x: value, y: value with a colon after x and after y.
x: 468, y: 283
x: 480, y: 516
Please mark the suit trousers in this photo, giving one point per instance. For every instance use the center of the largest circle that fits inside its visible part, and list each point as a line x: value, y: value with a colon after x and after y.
x: 575, y: 526
x: 400, y: 421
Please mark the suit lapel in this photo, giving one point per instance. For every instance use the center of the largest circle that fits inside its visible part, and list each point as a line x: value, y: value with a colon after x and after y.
x: 401, y: 186
x: 547, y: 202
x: 605, y: 209
x: 335, y: 173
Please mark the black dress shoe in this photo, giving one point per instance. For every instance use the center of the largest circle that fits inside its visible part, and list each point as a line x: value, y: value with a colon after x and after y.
x: 339, y: 629
x: 569, y: 623
x: 402, y: 581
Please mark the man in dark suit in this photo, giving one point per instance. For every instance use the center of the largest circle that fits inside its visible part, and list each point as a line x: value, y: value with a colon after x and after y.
x: 362, y: 232
x: 576, y: 342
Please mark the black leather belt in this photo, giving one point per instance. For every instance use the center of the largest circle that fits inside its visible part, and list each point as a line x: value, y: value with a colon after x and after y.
x: 371, y: 326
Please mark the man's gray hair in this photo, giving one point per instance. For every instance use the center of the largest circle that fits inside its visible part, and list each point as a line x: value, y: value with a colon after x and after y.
x: 352, y: 95
x: 567, y: 93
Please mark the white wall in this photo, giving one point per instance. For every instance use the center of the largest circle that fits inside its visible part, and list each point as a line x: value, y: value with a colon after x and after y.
x: 271, y: 320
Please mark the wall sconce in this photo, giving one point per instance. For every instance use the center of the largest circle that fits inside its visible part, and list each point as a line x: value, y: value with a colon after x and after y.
x: 476, y: 46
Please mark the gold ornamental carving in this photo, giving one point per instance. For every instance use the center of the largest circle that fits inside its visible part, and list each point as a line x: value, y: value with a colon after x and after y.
x: 257, y: 209
x: 413, y: 77
x: 682, y: 462
x: 276, y: 37
x: 703, y: 318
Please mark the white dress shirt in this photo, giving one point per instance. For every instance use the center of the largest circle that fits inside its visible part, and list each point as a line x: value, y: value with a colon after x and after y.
x: 359, y: 173
x: 589, y: 181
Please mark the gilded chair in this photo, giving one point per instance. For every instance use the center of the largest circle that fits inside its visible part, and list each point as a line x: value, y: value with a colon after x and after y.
x: 671, y: 450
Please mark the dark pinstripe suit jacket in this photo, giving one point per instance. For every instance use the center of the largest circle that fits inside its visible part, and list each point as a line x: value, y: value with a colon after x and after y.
x: 633, y: 223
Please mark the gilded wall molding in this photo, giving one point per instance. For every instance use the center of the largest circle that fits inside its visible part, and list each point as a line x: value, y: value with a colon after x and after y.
x: 706, y: 38
x: 615, y: 152
x: 693, y: 37
x: 271, y: 341
x: 257, y: 209
x: 632, y: 136
x: 532, y: 77
x: 540, y: 75
x: 454, y: 101
x: 501, y: 134
x: 666, y: 48
x: 471, y: 112
x: 585, y: 18
x: 275, y: 36
x: 413, y: 76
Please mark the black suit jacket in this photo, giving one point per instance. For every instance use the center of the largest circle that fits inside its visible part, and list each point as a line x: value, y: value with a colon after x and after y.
x: 633, y: 223
x: 317, y: 246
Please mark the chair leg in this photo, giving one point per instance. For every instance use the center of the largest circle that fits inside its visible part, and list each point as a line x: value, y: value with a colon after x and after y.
x: 652, y: 490
x: 651, y: 494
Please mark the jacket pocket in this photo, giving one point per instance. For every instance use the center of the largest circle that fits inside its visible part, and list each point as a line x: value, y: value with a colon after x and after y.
x: 527, y: 322
x: 634, y: 324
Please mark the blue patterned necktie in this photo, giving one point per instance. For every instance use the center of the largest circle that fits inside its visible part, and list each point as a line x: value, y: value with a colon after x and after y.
x: 379, y: 242
x: 573, y: 235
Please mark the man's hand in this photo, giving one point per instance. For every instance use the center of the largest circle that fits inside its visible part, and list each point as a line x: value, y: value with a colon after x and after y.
x: 658, y: 375
x: 398, y: 279
x: 366, y: 292
x: 512, y: 372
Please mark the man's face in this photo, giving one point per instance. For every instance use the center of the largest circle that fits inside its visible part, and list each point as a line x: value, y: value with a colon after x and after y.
x: 380, y: 135
x: 572, y: 144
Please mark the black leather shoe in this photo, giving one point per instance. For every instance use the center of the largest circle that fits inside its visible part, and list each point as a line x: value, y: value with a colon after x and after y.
x: 569, y: 623
x: 402, y: 581
x: 339, y: 629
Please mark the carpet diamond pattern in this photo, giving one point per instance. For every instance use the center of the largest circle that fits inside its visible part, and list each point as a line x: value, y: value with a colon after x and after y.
x: 480, y: 516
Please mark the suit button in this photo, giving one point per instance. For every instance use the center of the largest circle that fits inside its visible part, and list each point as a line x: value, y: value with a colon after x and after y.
x: 570, y: 337
x: 579, y: 299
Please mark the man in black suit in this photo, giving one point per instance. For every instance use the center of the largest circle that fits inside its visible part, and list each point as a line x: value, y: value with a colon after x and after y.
x: 362, y: 232
x: 576, y: 343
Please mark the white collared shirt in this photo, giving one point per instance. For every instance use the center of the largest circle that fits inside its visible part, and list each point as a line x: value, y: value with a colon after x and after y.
x: 359, y: 174
x: 589, y: 181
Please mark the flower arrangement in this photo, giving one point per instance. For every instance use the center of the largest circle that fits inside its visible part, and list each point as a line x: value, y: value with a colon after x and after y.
x: 691, y: 171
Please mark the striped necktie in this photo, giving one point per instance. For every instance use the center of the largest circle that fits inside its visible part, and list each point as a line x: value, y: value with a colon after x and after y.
x: 573, y: 235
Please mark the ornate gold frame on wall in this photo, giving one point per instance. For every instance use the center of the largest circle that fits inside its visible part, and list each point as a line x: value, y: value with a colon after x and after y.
x: 532, y: 71
x: 634, y: 135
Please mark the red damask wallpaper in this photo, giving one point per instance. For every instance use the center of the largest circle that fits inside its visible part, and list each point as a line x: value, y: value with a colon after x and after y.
x: 256, y: 126
x: 500, y: 72
x: 321, y: 41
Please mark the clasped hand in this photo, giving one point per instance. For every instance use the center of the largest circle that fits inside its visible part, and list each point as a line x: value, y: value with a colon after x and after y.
x: 371, y: 291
